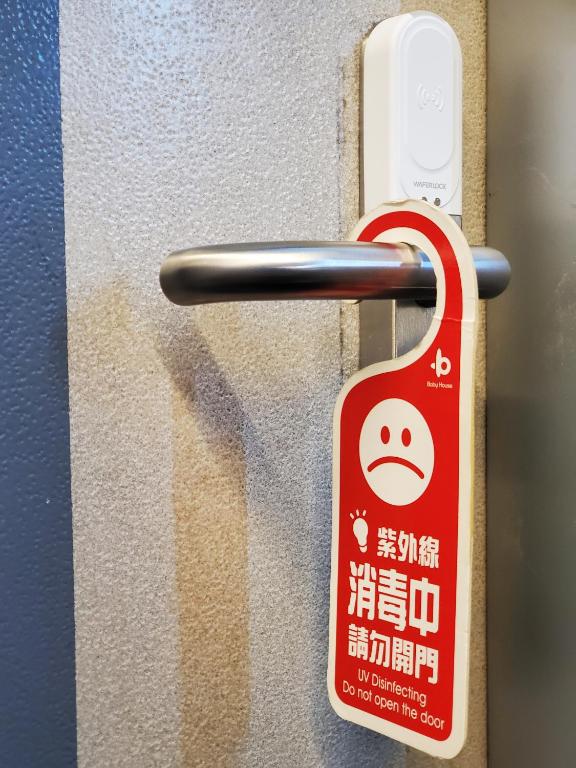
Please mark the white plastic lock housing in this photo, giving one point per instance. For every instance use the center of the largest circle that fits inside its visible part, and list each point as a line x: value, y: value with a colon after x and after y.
x: 412, y: 112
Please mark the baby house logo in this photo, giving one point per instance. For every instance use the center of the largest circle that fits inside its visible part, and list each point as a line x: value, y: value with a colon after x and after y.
x: 442, y: 366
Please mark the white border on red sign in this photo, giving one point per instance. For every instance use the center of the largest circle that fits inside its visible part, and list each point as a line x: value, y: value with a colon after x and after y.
x: 451, y: 746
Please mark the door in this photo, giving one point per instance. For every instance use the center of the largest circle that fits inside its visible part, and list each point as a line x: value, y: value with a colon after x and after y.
x: 531, y: 384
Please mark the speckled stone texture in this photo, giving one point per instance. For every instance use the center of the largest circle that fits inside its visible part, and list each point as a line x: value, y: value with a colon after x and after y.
x: 201, y: 437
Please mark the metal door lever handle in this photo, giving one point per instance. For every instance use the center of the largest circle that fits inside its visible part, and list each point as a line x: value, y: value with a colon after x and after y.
x: 314, y: 270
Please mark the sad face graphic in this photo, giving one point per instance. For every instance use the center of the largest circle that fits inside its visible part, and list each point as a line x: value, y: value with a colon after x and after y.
x: 396, y: 452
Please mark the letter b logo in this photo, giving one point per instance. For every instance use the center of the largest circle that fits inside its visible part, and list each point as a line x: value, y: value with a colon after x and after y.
x: 442, y: 366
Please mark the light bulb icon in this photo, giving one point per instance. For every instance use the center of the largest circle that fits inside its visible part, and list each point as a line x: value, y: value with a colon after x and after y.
x: 360, y: 529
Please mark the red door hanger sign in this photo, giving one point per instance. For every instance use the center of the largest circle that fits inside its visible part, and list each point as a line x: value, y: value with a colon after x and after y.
x: 402, y: 510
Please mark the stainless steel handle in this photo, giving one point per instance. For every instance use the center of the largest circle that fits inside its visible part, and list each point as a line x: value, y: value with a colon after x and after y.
x: 314, y: 270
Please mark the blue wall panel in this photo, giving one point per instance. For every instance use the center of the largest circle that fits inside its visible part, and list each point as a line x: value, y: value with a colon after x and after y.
x: 37, y: 693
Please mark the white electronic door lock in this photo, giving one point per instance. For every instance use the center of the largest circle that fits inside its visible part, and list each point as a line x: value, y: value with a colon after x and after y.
x: 412, y: 113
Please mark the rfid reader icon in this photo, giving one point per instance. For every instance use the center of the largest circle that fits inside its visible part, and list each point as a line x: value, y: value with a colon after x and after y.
x: 396, y: 452
x: 432, y: 98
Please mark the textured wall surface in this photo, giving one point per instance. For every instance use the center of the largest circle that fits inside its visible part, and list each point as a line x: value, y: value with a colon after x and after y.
x: 37, y: 695
x: 201, y: 437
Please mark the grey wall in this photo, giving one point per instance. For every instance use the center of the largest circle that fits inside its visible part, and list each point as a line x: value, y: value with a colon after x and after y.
x: 531, y: 385
x: 201, y: 438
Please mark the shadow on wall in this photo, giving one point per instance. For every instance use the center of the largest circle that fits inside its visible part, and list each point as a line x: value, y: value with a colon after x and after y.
x: 209, y: 502
x: 217, y: 546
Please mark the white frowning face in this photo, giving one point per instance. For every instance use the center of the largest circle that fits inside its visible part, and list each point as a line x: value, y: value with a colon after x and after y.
x: 396, y: 452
